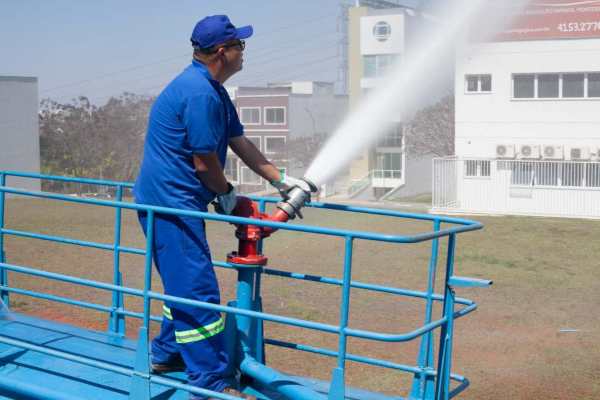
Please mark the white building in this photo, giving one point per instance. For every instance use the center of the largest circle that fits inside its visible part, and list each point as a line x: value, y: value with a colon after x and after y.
x: 527, y: 119
x: 379, y: 38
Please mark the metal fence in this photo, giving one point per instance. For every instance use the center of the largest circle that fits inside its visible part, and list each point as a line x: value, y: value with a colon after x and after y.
x: 532, y: 187
x: 431, y: 376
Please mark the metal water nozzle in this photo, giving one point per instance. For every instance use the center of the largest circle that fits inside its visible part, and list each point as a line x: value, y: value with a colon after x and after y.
x: 296, y: 198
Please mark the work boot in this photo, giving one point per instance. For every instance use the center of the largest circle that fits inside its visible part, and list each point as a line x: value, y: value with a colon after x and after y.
x: 232, y: 392
x: 164, y: 368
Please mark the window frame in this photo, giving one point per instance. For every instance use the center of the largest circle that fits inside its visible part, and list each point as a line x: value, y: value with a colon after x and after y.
x: 237, y: 169
x: 480, y: 166
x: 284, y: 108
x: 250, y: 108
x: 243, y: 181
x: 536, y: 97
x: 377, y: 62
x: 479, y: 78
x: 267, y: 151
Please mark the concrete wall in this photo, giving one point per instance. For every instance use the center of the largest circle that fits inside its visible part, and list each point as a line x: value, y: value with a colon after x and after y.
x: 485, y: 120
x: 417, y: 177
x: 19, y: 128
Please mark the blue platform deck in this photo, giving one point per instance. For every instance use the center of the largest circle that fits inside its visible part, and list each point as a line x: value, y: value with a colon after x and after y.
x: 26, y: 373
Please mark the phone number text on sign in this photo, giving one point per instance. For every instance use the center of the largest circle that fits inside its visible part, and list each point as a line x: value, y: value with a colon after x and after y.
x: 579, y: 26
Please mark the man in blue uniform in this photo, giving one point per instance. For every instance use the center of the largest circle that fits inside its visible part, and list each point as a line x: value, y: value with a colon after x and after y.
x: 191, y: 125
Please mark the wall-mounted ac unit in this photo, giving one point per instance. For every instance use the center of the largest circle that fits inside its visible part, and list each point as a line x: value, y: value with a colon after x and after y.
x: 529, y: 151
x: 579, y: 153
x: 505, y: 151
x: 553, y: 153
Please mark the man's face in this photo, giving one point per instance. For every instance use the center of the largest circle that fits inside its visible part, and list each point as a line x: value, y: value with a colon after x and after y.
x: 234, y: 55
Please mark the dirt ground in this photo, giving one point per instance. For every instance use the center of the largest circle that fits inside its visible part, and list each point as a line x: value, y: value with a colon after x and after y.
x: 535, y: 335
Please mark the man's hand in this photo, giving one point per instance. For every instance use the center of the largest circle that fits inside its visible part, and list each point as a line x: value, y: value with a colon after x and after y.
x: 286, y: 183
x: 227, y: 201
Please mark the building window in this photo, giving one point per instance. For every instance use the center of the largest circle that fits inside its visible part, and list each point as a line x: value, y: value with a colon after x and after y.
x: 389, y: 165
x: 548, y: 86
x: 524, y: 86
x: 478, y: 83
x: 522, y: 173
x: 555, y: 86
x: 249, y: 177
x: 250, y: 115
x: 378, y: 65
x: 548, y: 173
x: 274, y: 115
x: 255, y: 141
x: 274, y: 144
x: 594, y: 85
x: 573, y: 85
x: 556, y: 174
x: 231, y: 169
x: 573, y: 174
x: 477, y: 168
x: 592, y: 174
x: 392, y: 139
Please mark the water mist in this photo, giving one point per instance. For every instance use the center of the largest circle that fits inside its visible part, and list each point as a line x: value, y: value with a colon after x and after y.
x: 408, y: 86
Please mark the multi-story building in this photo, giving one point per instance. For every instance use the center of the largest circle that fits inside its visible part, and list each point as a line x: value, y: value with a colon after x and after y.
x: 527, y: 120
x: 19, y: 128
x: 278, y: 113
x: 377, y: 38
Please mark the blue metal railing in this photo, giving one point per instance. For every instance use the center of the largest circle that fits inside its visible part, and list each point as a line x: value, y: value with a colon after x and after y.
x: 429, y: 382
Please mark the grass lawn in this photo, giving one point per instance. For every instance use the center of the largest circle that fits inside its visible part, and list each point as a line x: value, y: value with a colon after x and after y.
x: 546, y: 275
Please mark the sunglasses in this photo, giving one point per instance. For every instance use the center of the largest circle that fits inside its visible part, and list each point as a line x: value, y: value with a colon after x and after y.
x: 240, y: 43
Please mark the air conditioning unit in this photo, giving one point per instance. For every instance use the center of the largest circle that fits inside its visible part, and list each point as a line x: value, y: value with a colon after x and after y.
x: 579, y: 153
x: 505, y: 151
x: 529, y: 151
x: 553, y: 153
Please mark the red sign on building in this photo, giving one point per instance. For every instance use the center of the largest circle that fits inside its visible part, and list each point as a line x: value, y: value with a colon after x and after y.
x: 555, y: 19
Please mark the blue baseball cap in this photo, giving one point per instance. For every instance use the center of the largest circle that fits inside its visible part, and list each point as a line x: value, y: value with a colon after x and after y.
x: 216, y: 29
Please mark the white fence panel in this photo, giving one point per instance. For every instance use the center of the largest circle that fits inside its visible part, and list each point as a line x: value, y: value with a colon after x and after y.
x: 547, y: 188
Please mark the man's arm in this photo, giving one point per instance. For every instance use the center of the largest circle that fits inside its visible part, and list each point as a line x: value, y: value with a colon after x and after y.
x: 254, y: 159
x: 209, y: 170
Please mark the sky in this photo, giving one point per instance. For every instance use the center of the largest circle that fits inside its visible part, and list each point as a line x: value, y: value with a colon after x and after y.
x: 100, y: 49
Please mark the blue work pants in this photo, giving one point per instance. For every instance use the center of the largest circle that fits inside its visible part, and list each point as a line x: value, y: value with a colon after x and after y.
x: 182, y: 257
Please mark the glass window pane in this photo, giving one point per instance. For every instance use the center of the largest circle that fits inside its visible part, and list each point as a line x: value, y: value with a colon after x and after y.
x: 548, y: 86
x: 594, y: 85
x: 370, y: 66
x: 274, y: 116
x: 251, y: 115
x: 486, y: 83
x: 249, y: 177
x: 522, y: 173
x: 274, y: 144
x: 573, y: 85
x: 524, y: 86
x: 384, y: 63
x: 484, y: 168
x: 572, y: 174
x: 547, y: 173
x: 471, y: 168
x: 231, y: 171
x: 472, y: 83
x: 593, y: 174
x: 396, y: 161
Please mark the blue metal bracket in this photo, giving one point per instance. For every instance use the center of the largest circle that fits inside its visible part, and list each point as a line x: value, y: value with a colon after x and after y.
x: 460, y: 281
